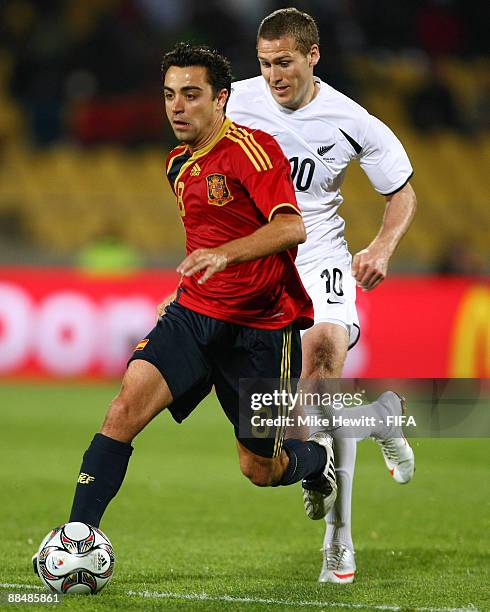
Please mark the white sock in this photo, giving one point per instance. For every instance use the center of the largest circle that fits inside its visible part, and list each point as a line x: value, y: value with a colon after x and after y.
x: 338, y: 522
x: 339, y: 518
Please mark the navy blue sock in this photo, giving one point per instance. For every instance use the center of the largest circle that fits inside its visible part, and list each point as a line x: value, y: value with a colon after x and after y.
x: 103, y: 469
x: 306, y: 460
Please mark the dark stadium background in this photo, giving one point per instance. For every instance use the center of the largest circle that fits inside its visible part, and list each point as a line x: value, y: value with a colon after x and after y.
x: 83, y: 139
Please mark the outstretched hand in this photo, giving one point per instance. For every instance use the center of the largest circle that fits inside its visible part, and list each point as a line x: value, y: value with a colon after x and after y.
x: 209, y: 260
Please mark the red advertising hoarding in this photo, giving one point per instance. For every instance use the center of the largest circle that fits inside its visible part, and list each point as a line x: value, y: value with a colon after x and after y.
x: 64, y: 323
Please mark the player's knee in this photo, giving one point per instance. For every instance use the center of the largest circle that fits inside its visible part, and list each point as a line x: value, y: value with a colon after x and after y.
x: 324, y: 351
x: 326, y: 361
x: 120, y: 419
x: 119, y: 409
x: 258, y: 472
x: 323, y: 370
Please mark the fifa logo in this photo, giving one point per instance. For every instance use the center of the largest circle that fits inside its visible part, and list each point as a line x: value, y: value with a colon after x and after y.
x: 85, y: 478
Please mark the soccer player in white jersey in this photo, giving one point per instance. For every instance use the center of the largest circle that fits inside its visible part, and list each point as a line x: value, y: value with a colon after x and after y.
x: 321, y: 131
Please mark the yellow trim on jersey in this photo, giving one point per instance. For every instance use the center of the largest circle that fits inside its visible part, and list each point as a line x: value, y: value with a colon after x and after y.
x: 254, y: 151
x: 262, y: 151
x: 255, y: 147
x: 205, y: 150
x: 246, y: 150
x: 284, y: 204
x: 224, y: 128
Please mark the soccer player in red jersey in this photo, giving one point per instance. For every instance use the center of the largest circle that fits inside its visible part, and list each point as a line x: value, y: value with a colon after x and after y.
x: 239, y: 306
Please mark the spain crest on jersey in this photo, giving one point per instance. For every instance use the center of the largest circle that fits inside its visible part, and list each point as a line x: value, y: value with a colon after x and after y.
x: 218, y: 192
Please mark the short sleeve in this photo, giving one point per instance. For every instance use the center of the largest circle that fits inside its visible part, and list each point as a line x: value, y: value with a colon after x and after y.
x: 384, y: 159
x: 267, y: 176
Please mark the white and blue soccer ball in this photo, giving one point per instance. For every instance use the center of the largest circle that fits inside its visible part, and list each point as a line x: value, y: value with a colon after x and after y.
x: 75, y: 558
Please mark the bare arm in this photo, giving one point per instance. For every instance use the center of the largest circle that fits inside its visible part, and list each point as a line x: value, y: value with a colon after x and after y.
x: 370, y: 266
x: 283, y: 232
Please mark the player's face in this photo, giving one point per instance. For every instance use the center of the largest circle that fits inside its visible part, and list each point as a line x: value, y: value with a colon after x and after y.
x: 287, y: 71
x: 195, y: 114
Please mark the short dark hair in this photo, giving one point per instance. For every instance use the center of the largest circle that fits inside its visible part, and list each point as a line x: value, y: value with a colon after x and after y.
x: 217, y: 66
x: 291, y: 22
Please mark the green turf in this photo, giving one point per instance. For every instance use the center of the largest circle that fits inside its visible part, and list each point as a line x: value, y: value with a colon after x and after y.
x: 187, y: 522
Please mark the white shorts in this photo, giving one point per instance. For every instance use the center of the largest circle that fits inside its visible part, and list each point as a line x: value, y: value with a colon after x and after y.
x: 332, y: 289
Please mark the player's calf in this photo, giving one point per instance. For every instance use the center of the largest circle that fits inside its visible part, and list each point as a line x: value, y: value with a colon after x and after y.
x: 262, y: 471
x: 124, y: 419
x: 143, y: 395
x: 297, y: 460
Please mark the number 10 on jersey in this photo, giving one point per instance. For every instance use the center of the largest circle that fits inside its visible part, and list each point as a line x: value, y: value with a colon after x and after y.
x: 333, y: 281
x: 302, y: 172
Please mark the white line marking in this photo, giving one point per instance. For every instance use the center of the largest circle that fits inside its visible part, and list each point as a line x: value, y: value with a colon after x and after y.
x: 288, y: 602
x: 259, y: 600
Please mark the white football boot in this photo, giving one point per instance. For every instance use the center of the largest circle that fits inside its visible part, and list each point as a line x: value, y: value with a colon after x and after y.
x: 319, y: 494
x: 397, y: 452
x: 339, y: 565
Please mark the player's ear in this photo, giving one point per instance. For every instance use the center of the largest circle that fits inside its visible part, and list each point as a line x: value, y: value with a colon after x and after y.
x: 314, y: 55
x: 222, y: 99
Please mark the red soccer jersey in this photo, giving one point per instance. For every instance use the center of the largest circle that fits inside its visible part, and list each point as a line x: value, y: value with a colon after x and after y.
x: 227, y: 190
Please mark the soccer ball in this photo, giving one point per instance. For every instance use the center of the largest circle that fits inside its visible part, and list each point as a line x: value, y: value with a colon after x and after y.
x: 75, y: 558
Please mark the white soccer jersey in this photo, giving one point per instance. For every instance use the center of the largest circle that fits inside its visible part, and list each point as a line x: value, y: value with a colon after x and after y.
x: 320, y: 140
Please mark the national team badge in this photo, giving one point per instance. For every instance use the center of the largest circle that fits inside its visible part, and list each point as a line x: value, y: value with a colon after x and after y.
x: 218, y: 192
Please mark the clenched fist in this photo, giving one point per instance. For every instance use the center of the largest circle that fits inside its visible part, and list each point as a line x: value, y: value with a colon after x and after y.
x: 369, y: 267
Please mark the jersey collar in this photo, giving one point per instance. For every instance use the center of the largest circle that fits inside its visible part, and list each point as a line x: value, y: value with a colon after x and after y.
x: 205, y: 150
x: 200, y: 152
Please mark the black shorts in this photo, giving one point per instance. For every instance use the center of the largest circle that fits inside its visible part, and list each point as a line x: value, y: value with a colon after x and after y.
x: 193, y: 352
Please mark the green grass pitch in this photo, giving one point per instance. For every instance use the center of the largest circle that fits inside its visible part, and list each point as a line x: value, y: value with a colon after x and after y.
x: 189, y: 527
